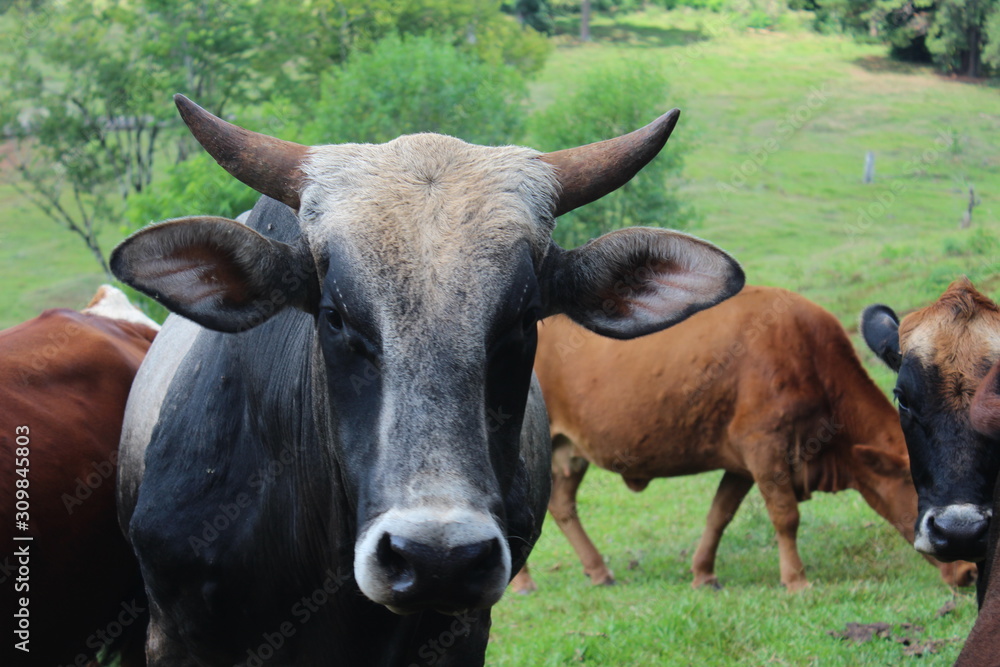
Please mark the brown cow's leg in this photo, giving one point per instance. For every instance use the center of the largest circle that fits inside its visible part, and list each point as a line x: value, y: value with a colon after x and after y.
x: 567, y: 474
x: 522, y: 582
x: 783, y: 508
x: 732, y: 490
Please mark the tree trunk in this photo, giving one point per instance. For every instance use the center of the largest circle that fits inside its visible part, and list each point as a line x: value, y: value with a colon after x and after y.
x: 585, y: 20
x: 974, y: 53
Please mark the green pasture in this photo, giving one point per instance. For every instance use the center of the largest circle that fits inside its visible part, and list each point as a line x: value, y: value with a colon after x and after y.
x: 774, y: 130
x: 861, y: 571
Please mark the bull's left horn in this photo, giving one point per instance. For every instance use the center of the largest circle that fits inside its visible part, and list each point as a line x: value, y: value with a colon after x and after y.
x: 270, y: 166
x: 587, y: 173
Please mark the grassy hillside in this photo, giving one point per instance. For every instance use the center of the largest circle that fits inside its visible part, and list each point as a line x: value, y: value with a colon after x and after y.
x: 775, y: 128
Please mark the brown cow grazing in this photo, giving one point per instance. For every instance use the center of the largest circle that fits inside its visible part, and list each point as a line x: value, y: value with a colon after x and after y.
x: 982, y: 648
x: 73, y: 584
x: 765, y: 386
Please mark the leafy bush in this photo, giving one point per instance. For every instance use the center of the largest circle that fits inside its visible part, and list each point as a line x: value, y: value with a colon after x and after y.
x: 615, y: 99
x: 505, y: 42
x: 197, y: 186
x: 418, y: 84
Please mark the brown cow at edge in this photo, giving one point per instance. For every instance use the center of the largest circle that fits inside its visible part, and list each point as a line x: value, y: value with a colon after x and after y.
x: 765, y: 386
x: 64, y: 380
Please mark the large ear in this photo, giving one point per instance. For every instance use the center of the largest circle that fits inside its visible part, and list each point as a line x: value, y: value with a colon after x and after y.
x: 882, y: 463
x: 215, y: 271
x: 637, y: 281
x: 880, y: 329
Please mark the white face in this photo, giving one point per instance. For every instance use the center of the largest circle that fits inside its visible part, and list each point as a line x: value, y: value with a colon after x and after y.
x: 430, y: 250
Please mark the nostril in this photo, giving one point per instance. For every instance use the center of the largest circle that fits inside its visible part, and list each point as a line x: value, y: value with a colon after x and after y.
x: 391, y: 556
x: 483, y: 557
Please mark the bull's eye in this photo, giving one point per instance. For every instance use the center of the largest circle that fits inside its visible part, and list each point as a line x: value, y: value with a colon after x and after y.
x: 334, y: 320
x: 901, y: 402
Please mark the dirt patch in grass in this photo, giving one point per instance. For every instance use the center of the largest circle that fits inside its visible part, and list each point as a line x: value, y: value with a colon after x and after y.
x: 860, y: 633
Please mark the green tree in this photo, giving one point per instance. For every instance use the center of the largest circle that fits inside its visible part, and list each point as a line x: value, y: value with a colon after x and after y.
x: 87, y: 87
x: 418, y: 84
x: 960, y: 33
x: 617, y: 98
x: 79, y: 100
x: 86, y: 93
x: 335, y: 29
x: 956, y: 34
x: 534, y: 13
x: 991, y: 53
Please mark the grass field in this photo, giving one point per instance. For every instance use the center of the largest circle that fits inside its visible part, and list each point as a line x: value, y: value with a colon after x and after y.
x: 775, y: 128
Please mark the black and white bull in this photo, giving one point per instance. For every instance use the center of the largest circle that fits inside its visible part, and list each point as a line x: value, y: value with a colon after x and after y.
x: 941, y: 354
x: 344, y: 423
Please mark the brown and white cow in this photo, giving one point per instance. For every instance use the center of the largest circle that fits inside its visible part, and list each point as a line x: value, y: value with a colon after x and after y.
x: 765, y: 386
x: 941, y: 354
x: 74, y: 584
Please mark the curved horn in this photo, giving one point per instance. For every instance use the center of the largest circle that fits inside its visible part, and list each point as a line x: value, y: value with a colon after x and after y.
x: 268, y: 165
x: 587, y: 173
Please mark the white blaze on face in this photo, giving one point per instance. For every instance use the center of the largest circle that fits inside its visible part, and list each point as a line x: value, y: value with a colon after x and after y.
x: 430, y: 228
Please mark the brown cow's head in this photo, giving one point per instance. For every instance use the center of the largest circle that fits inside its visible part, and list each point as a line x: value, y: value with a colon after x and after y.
x: 941, y: 354
x: 426, y: 262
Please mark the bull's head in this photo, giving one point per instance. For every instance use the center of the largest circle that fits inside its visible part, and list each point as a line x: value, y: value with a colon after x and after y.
x: 426, y: 263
